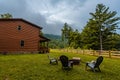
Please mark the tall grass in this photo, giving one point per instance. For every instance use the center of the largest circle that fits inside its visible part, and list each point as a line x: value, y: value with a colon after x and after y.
x: 37, y: 67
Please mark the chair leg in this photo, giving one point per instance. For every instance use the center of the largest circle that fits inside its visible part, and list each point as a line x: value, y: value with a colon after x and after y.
x: 99, y: 69
x: 86, y: 66
x: 56, y: 62
x: 50, y: 62
x: 72, y: 65
x: 93, y: 70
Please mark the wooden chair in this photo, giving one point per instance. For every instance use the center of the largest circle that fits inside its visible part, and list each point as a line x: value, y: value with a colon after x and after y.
x: 52, y: 60
x: 66, y: 64
x: 95, y: 64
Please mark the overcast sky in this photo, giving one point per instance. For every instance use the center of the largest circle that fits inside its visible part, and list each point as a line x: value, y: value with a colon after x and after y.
x: 52, y: 14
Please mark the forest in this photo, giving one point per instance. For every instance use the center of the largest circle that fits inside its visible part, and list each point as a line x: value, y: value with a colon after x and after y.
x: 99, y: 33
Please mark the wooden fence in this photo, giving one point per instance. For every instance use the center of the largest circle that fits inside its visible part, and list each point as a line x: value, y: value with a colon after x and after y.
x: 106, y: 53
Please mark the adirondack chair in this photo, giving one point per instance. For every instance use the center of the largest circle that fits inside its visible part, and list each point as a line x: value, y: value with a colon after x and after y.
x: 52, y: 60
x: 66, y: 64
x: 95, y: 64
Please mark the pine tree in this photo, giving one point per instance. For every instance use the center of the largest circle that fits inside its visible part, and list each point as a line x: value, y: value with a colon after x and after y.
x: 102, y: 24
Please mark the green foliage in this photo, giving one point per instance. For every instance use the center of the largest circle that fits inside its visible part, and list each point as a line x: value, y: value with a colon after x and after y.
x: 66, y: 32
x: 55, y: 42
x: 100, y: 28
x: 114, y: 40
x: 6, y: 15
x: 75, y: 39
x: 37, y: 67
x: 70, y: 36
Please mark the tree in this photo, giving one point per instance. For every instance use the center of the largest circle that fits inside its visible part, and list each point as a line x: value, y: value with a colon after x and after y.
x: 66, y: 34
x: 71, y: 36
x: 117, y: 41
x: 103, y: 24
x: 75, y: 39
x: 7, y: 15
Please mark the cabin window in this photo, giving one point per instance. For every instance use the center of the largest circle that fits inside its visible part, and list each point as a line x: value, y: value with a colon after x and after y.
x: 19, y: 27
x: 22, y: 43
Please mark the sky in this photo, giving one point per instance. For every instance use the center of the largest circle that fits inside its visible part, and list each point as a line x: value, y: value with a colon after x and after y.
x: 52, y: 14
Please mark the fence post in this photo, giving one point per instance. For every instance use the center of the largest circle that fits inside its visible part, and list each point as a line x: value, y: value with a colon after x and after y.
x: 77, y: 50
x: 93, y: 52
x: 109, y: 54
x: 83, y: 51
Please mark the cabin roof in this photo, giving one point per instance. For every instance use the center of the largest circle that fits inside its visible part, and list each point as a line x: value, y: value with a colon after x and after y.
x: 20, y: 19
x: 43, y: 39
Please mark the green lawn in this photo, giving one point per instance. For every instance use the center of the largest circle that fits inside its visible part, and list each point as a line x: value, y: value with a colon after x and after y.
x: 37, y: 67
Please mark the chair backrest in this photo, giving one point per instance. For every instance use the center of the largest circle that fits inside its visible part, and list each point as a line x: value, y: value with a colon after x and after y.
x: 64, y: 60
x: 98, y: 61
x: 50, y: 58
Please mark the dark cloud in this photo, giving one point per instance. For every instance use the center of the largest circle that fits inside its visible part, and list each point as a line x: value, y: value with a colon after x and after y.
x: 20, y: 9
x: 53, y: 28
x: 52, y: 14
x: 14, y: 7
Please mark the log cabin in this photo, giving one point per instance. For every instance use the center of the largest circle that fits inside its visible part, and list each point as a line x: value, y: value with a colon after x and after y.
x: 21, y: 36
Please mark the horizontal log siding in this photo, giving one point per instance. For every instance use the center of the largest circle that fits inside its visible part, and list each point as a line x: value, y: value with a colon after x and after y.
x: 10, y: 36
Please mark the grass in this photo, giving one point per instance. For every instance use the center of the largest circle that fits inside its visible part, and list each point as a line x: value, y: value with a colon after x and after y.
x: 37, y: 67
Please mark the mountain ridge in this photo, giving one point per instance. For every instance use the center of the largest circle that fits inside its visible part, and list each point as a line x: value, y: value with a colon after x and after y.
x: 52, y: 36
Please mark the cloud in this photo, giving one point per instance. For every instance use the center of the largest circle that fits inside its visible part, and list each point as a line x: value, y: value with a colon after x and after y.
x: 60, y: 11
x: 13, y: 6
x: 52, y: 14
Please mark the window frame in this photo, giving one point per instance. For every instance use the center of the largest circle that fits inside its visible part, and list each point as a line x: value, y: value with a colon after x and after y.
x: 19, y: 28
x: 22, y: 43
